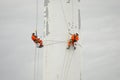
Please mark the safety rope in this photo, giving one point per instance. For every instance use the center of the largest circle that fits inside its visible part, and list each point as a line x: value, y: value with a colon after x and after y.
x: 68, y: 69
x: 79, y: 20
x: 35, y: 63
x: 53, y: 43
x: 80, y: 75
x: 67, y: 66
x: 37, y: 73
x: 46, y: 63
x: 73, y: 16
x: 35, y: 55
x: 36, y: 16
x: 72, y: 12
x: 63, y: 66
x: 64, y: 15
x: 80, y: 67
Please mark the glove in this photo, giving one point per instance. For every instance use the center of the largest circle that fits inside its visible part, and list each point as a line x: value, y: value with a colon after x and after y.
x: 75, y: 44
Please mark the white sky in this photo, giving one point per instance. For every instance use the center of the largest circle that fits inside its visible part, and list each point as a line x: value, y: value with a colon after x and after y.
x: 100, y: 36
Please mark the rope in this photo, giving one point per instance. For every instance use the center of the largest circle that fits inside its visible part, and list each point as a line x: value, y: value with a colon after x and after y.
x: 67, y: 60
x: 72, y: 13
x: 37, y: 66
x: 35, y: 55
x: 53, y: 43
x: 79, y: 19
x: 63, y: 65
x: 46, y: 63
x: 36, y: 16
x: 35, y: 63
x: 73, y: 16
x: 68, y: 64
x: 80, y: 75
x: 64, y: 14
x: 80, y: 69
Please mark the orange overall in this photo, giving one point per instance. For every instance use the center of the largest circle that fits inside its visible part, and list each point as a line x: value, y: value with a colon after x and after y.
x: 34, y: 38
x: 40, y: 41
x: 37, y: 40
x: 74, y: 38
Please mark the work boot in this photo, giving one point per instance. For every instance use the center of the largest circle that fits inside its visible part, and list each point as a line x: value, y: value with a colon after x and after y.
x: 40, y: 46
x: 68, y: 47
x: 74, y: 48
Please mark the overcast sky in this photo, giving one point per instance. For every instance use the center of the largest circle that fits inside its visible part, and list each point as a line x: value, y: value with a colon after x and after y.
x: 100, y: 36
x: 17, y: 22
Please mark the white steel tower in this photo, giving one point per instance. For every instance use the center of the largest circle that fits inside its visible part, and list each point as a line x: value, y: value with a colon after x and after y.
x: 61, y: 17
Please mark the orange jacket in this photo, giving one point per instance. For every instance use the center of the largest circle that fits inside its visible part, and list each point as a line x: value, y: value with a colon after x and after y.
x: 74, y: 37
x: 34, y: 37
x: 77, y: 38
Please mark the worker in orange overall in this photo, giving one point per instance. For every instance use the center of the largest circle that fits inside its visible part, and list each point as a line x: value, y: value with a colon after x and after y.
x: 34, y: 37
x: 74, y: 38
x: 37, y: 40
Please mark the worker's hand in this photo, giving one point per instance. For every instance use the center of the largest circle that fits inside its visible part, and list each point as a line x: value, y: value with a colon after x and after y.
x: 75, y: 44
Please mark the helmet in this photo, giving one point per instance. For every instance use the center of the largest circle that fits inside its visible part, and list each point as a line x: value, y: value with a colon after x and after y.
x: 33, y: 33
x: 77, y: 34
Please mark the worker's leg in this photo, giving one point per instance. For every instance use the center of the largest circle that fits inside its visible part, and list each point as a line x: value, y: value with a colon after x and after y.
x: 41, y: 43
x: 69, y: 43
